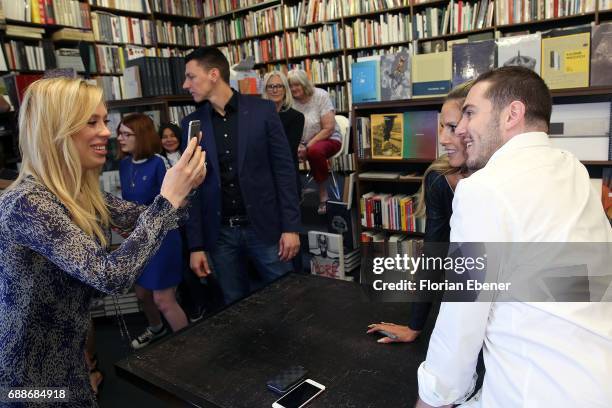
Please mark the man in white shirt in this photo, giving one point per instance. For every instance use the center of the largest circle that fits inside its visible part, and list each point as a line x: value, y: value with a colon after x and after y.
x: 536, y: 354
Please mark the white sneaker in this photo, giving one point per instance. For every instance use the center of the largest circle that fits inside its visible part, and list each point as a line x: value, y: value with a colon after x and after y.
x: 147, y: 337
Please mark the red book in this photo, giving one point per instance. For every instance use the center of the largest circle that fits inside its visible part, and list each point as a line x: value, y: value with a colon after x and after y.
x: 459, y: 13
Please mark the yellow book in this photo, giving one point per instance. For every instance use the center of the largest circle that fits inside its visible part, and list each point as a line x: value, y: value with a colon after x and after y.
x: 565, y: 58
x: 387, y: 135
x: 431, y: 74
x: 35, y: 7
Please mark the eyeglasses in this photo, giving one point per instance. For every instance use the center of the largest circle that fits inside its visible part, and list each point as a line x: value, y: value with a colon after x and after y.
x: 125, y: 134
x: 275, y: 87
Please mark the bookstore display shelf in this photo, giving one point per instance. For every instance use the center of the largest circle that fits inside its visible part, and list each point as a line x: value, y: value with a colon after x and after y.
x: 551, y: 21
x: 417, y: 180
x: 180, y: 46
x: 121, y: 11
x: 21, y: 37
x: 122, y: 103
x: 587, y: 91
x: 51, y: 27
x: 376, y: 46
x: 394, y: 160
x: 455, y: 35
x: 254, y: 37
x: 604, y: 163
x: 72, y: 41
x: 377, y: 12
x: 176, y: 17
x: 263, y: 4
x: 405, y: 103
x: 426, y: 4
x: 178, y: 98
x: 392, y: 231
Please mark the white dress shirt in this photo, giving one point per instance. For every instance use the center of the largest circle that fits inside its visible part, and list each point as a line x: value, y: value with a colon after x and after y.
x: 536, y: 354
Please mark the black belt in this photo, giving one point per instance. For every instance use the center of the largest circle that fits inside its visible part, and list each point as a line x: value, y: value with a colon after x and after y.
x: 236, y: 221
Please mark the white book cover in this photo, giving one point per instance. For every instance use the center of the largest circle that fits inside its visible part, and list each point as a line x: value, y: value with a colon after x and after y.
x: 582, y: 129
x: 327, y: 254
x: 520, y: 50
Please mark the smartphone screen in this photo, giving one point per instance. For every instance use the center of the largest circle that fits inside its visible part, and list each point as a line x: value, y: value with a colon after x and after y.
x: 299, y: 396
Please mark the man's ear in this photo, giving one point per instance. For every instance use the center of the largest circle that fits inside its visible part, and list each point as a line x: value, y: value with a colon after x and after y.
x: 514, y: 115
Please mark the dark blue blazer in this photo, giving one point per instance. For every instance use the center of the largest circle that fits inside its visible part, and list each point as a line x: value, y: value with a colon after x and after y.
x: 265, y: 169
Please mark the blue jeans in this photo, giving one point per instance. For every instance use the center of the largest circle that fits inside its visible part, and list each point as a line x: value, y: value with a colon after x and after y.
x: 228, y: 261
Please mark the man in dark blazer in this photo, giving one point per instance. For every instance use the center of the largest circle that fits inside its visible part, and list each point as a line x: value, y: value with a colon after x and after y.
x: 248, y: 205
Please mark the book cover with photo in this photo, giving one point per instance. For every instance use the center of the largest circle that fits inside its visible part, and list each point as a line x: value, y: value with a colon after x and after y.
x: 522, y: 51
x: 601, y: 57
x: 387, y: 135
x: 472, y: 59
x: 343, y: 221
x: 420, y: 135
x: 566, y: 57
x: 327, y: 254
x: 395, y: 81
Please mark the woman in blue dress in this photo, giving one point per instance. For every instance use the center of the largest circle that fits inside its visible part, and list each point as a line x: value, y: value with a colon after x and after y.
x: 142, y: 171
x: 54, y: 235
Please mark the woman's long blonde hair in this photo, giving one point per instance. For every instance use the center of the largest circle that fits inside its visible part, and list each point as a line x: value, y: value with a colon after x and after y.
x: 441, y: 165
x: 52, y: 112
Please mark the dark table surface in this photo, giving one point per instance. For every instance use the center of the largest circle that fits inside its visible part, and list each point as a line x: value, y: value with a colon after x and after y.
x: 319, y: 323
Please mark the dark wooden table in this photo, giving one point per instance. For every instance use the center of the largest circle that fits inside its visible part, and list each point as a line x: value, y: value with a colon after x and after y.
x: 319, y: 323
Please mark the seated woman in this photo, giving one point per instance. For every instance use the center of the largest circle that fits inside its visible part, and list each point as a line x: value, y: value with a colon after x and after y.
x: 142, y: 172
x: 276, y: 89
x: 321, y: 138
x: 435, y: 200
x: 55, y: 235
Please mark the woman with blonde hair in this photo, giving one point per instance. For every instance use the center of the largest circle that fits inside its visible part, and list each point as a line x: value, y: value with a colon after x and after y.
x: 276, y: 89
x: 54, y: 235
x: 435, y: 201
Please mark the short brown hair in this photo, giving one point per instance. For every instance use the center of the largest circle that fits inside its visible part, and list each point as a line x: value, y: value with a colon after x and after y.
x: 507, y: 84
x: 147, y: 140
x: 209, y: 58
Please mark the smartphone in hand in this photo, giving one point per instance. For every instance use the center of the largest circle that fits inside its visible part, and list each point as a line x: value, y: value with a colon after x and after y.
x: 194, y: 129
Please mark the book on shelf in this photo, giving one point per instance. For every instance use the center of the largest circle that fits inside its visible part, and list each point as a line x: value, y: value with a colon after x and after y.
x: 427, y: 47
x: 362, y: 129
x: 431, y: 74
x: 24, y: 31
x: 387, y: 135
x: 582, y: 129
x: 472, y: 59
x: 420, y: 135
x: 72, y: 34
x: 390, y: 212
x: 131, y: 78
x: 343, y: 221
x: 69, y: 58
x: 138, y: 6
x: 601, y: 57
x: 565, y: 57
x: 365, y: 81
x: 524, y: 51
x: 395, y: 74
x: 606, y: 192
x: 16, y: 84
x: 387, y: 175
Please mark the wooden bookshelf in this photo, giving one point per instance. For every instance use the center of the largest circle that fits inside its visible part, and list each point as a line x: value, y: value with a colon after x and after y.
x: 121, y: 12
x: 176, y: 17
x: 392, y: 231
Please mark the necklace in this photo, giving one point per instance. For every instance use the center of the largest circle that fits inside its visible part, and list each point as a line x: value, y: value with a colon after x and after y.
x: 133, y: 175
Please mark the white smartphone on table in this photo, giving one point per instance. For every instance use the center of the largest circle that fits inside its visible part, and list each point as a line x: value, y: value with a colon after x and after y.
x: 300, y: 395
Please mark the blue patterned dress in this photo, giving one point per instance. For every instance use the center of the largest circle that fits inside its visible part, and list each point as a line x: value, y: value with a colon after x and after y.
x: 49, y: 271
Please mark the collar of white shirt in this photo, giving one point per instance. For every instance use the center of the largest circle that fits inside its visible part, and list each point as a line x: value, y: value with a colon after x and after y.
x: 520, y: 141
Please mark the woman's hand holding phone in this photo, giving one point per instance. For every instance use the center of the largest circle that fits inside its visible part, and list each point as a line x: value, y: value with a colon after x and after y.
x: 187, y: 174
